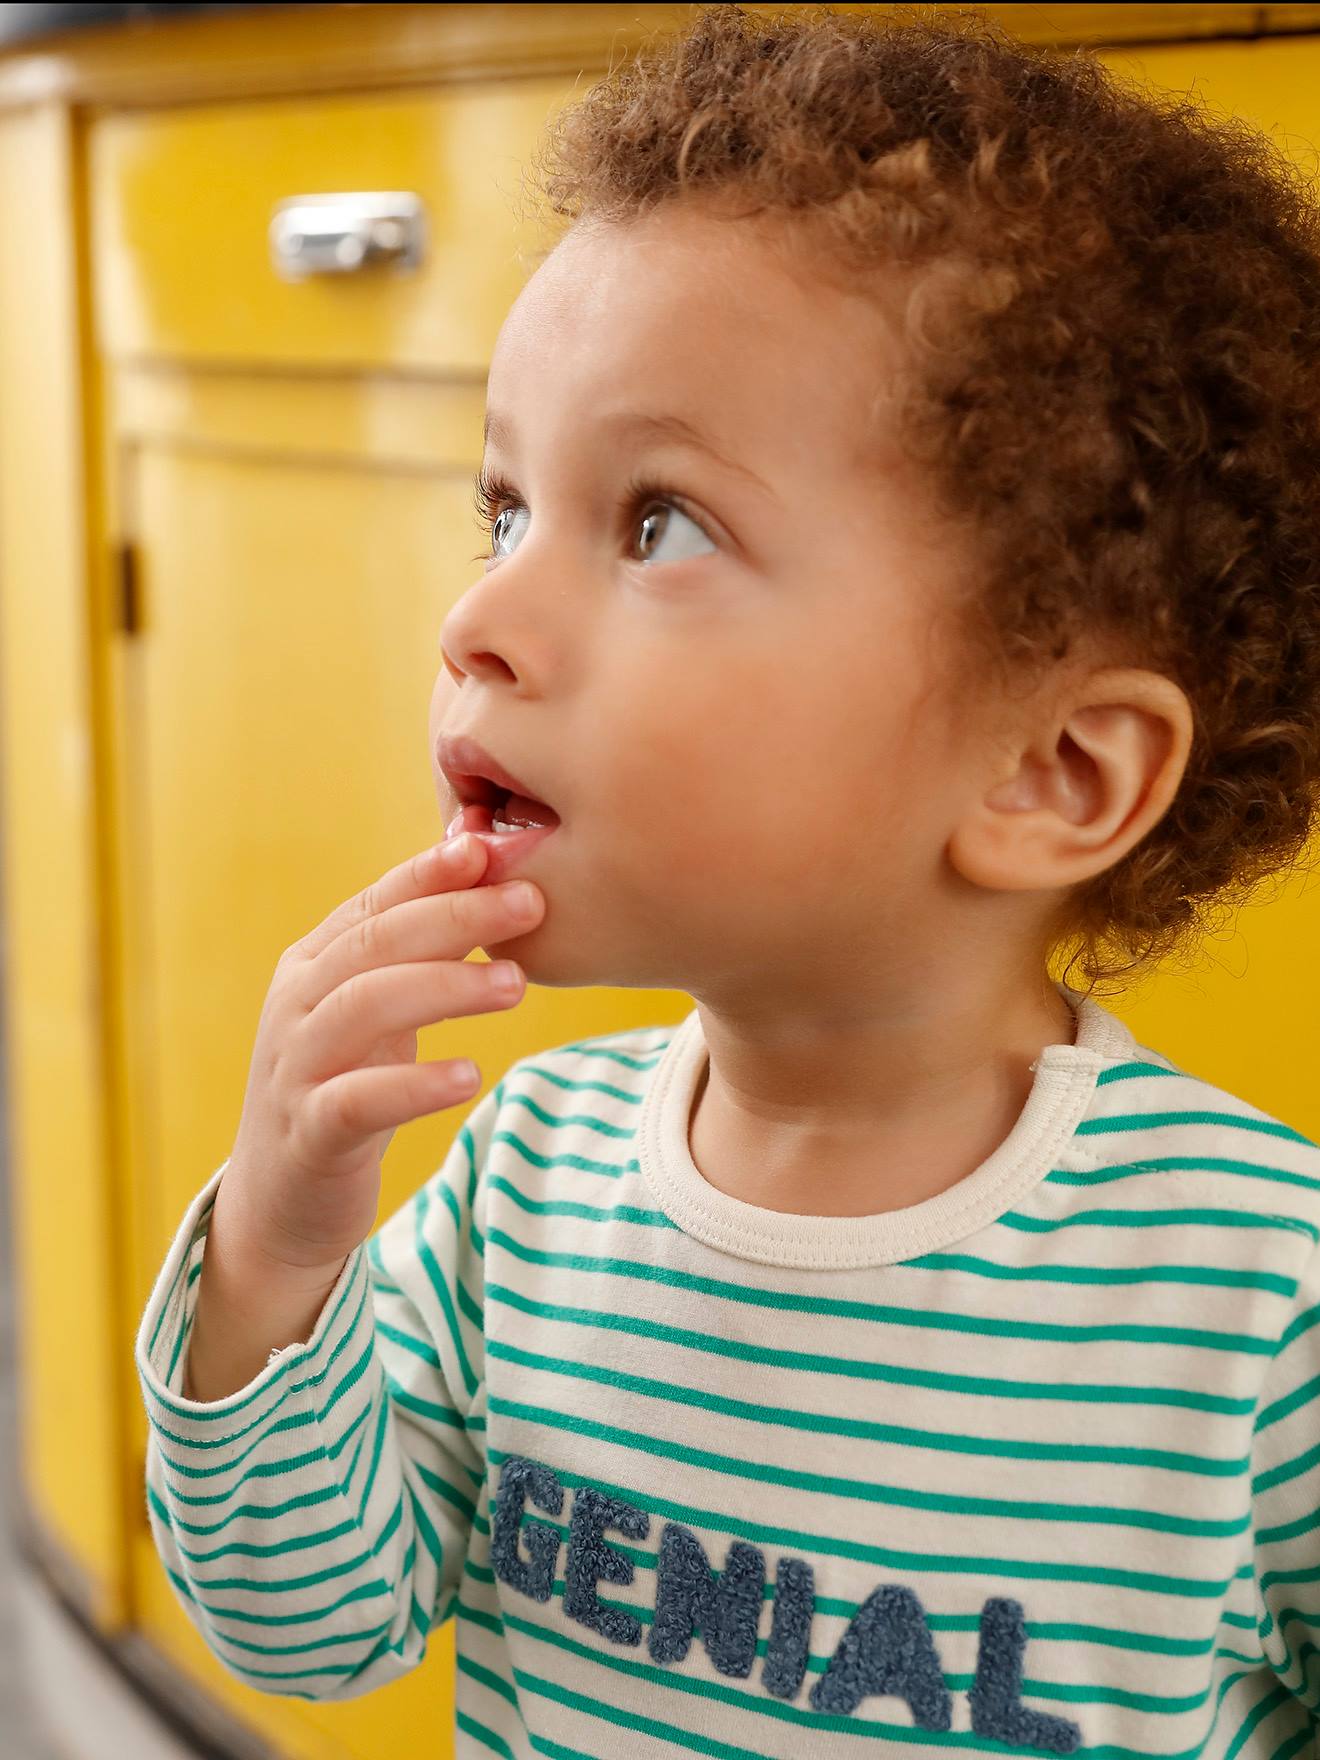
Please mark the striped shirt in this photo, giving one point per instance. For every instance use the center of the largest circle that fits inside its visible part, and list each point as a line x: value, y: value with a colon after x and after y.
x: 1029, y: 1466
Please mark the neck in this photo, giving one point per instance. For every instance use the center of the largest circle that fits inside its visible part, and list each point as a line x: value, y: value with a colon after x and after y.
x: 846, y: 1113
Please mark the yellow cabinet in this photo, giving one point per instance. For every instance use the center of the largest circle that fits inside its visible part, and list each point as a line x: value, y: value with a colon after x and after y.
x: 182, y: 202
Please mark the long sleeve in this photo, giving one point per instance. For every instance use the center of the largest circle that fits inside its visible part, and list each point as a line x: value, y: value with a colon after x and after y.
x: 315, y: 1522
x: 1285, y: 1489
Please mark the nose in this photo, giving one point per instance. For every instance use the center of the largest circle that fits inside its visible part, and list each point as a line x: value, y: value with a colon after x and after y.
x: 515, y: 625
x: 468, y: 642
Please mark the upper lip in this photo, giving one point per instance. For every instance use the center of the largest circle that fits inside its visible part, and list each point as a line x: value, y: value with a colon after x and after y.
x: 471, y: 772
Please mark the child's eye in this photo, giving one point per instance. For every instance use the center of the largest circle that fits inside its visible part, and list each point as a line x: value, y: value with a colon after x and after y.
x: 658, y: 528
x: 502, y: 527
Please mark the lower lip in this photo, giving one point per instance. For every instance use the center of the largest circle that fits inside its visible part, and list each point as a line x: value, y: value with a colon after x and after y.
x: 505, y: 849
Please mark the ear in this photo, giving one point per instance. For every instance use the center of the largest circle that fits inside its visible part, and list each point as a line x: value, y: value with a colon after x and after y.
x: 1073, y: 795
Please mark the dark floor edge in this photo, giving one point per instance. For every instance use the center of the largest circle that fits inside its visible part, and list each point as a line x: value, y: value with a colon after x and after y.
x: 182, y: 1709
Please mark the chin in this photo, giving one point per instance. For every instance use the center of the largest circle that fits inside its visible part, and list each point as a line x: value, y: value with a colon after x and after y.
x: 559, y: 967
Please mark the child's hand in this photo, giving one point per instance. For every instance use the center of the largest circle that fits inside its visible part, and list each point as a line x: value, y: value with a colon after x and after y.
x: 334, y: 1070
x: 333, y: 1074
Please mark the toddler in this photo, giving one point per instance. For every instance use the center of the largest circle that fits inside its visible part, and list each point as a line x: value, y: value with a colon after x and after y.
x: 903, y: 488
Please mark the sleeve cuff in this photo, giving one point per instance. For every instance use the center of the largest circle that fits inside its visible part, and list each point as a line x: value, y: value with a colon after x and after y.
x: 343, y: 1330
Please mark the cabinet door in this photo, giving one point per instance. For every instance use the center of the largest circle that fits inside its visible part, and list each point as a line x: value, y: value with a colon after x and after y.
x: 275, y: 759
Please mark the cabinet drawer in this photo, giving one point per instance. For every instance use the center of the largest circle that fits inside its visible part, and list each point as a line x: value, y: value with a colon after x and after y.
x: 182, y: 200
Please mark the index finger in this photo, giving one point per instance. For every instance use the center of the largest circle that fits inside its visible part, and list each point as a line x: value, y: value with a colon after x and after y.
x: 447, y: 867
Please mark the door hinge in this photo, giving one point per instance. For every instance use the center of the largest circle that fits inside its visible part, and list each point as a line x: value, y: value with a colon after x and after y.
x: 128, y: 584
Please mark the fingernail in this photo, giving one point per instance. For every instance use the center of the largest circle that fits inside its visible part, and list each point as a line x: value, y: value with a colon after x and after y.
x: 457, y: 850
x: 456, y: 820
x: 520, y: 900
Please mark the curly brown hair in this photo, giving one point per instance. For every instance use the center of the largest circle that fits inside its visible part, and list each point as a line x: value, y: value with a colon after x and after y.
x: 1114, y: 379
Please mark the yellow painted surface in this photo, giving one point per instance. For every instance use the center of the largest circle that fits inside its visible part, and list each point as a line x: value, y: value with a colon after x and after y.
x: 71, y: 1383
x: 182, y: 200
x: 293, y: 463
x: 295, y: 48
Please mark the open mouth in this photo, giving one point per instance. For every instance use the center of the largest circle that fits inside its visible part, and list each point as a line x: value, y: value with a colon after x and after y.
x: 485, y: 806
x: 501, y: 813
x: 491, y: 804
x: 519, y: 812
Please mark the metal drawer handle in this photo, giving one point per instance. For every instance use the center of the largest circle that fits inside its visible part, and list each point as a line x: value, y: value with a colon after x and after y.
x: 341, y: 233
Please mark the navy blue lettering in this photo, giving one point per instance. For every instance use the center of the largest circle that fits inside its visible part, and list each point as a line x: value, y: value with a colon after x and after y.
x: 887, y: 1649
x: 590, y: 1561
x: 521, y: 1479
x: 995, y: 1694
x: 790, y: 1627
x: 689, y: 1597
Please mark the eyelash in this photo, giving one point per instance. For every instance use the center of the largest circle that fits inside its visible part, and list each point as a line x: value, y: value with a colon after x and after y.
x: 494, y: 494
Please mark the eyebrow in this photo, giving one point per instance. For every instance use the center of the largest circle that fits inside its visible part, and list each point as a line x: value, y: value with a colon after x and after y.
x: 644, y: 425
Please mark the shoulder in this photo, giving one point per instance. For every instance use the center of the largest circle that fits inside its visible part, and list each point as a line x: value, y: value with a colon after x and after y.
x: 605, y: 1076
x: 1148, y: 1111
x: 627, y: 1057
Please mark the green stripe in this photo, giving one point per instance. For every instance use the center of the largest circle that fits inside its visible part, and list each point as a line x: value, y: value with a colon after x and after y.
x: 184, y: 1329
x: 745, y: 1700
x: 571, y: 1207
x: 824, y: 1424
x: 1305, y: 1738
x: 1288, y: 1403
x: 487, y: 1678
x: 1157, y: 1217
x: 421, y: 1208
x: 892, y: 1313
x: 1267, y: 1707
x: 628, y: 1096
x: 1123, y: 1072
x: 377, y: 1449
x: 290, y: 1388
x: 450, y: 1494
x: 334, y: 1638
x: 1285, y: 1471
x: 489, y: 1740
x: 579, y: 1163
x: 1145, y: 1121
x: 364, y: 1592
x: 1110, y: 1275
x: 1056, y: 1176
x: 254, y: 1510
x: 815, y: 1363
x: 1182, y: 1164
x: 259, y: 1472
x: 186, y: 1267
x: 310, y: 1415
x: 598, y: 1047
x: 223, y: 1413
x: 741, y: 1469
x: 567, y: 1120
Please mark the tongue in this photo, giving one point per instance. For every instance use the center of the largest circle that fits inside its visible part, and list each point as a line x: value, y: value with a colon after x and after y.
x: 521, y: 809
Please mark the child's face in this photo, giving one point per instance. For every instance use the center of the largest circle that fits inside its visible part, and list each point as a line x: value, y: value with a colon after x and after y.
x: 748, y: 739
